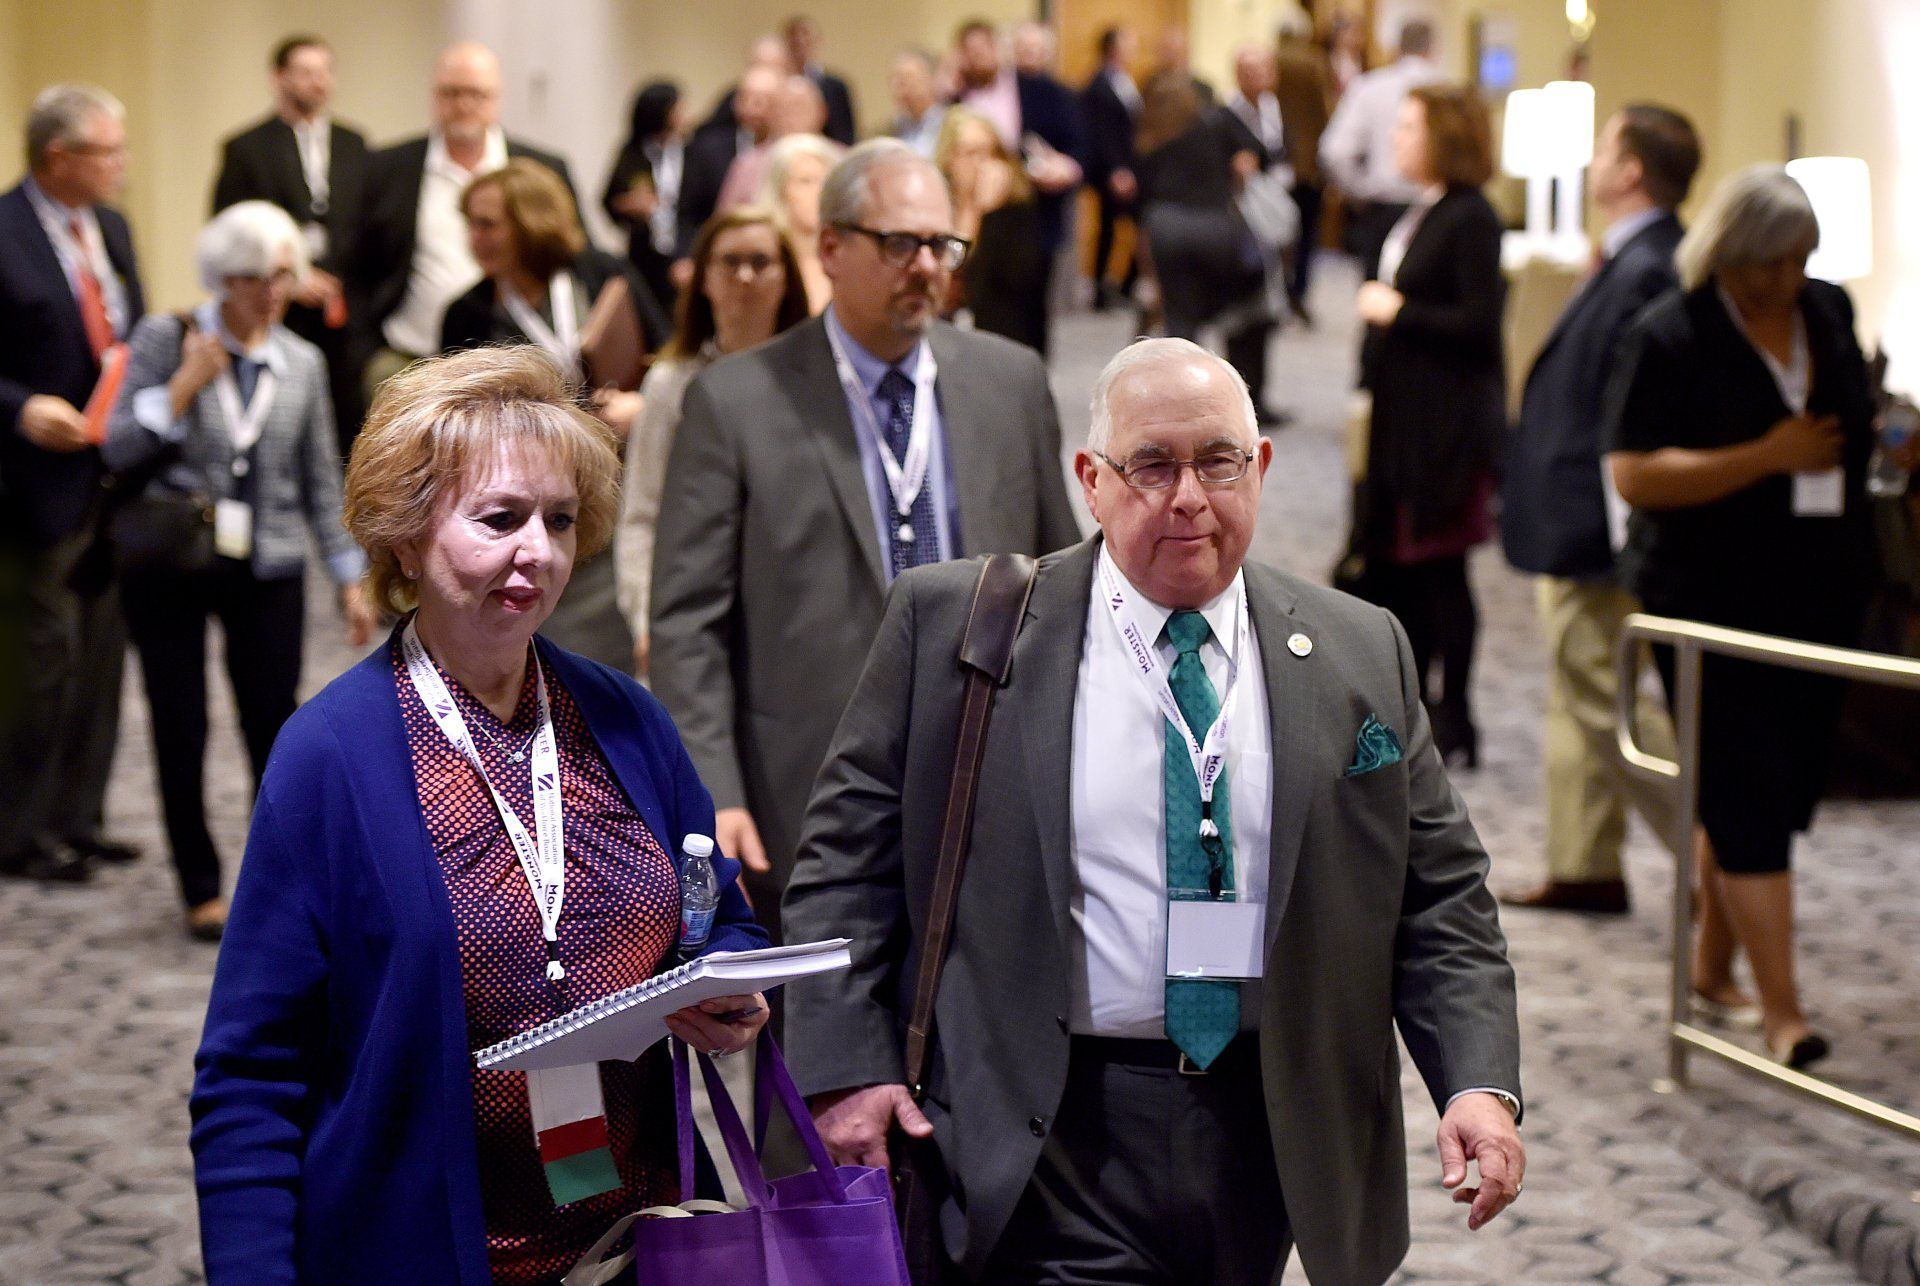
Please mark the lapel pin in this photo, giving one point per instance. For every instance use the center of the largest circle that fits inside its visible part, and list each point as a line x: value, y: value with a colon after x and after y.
x: 1299, y: 645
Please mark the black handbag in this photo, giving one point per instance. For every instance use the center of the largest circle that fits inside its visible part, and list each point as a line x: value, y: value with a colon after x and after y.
x: 140, y: 531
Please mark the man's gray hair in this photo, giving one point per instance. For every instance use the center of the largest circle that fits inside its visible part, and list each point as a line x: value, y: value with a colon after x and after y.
x: 61, y: 114
x: 848, y: 191
x: 247, y: 240
x: 1757, y: 216
x: 1156, y: 352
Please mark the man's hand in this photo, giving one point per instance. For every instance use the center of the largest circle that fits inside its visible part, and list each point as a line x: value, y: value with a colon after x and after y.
x: 739, y: 838
x: 1478, y: 1127
x: 854, y: 1124
x: 317, y: 289
x: 1123, y: 185
x: 52, y: 424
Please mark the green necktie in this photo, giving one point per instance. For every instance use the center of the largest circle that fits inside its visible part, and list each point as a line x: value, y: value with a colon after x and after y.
x: 1202, y: 1015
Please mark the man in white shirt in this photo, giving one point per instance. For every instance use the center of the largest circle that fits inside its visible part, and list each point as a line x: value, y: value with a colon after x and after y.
x: 409, y: 256
x: 1357, y: 148
x: 1164, y: 1036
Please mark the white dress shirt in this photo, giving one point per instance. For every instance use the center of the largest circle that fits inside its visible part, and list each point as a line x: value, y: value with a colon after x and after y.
x: 1357, y: 146
x: 1117, y: 960
x: 91, y: 250
x: 443, y: 267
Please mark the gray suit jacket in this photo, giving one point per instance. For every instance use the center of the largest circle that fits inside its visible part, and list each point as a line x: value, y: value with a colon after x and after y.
x: 1378, y: 907
x: 768, y: 575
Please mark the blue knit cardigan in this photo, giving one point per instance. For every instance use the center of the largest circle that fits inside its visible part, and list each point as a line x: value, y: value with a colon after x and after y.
x: 333, y: 1120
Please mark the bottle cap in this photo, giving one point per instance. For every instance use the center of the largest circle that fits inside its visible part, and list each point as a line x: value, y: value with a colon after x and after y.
x: 697, y: 846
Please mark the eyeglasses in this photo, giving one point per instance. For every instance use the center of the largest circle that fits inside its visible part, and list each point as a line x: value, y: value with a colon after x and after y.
x: 753, y: 265
x: 899, y: 248
x: 1214, y: 469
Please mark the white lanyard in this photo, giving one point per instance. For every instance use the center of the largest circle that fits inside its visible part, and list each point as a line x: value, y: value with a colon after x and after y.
x: 1209, y: 757
x: 904, y: 477
x: 565, y: 344
x: 544, y: 865
x: 247, y: 424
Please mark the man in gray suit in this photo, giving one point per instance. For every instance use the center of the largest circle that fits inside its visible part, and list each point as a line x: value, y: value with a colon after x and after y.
x: 1165, y: 1033
x: 809, y: 472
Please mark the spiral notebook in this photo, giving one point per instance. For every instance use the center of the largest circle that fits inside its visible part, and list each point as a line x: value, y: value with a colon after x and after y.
x: 622, y: 1026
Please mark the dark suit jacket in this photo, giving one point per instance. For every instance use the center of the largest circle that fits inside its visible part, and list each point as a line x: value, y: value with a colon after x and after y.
x: 1439, y: 391
x: 263, y: 164
x: 44, y: 349
x: 1378, y: 911
x: 703, y: 172
x: 1687, y: 377
x: 1553, y: 512
x: 841, y: 126
x: 1005, y: 275
x: 476, y: 318
x: 768, y: 574
x: 380, y: 256
x: 1109, y: 127
x: 1047, y: 108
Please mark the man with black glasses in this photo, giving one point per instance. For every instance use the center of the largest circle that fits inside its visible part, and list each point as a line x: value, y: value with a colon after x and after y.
x: 811, y: 471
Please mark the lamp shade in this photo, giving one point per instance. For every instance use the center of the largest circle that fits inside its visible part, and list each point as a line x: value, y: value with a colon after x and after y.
x: 1570, y: 125
x: 1523, y: 135
x: 1842, y: 197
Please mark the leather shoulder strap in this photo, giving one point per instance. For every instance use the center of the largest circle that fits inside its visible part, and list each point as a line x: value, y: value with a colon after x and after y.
x: 986, y: 658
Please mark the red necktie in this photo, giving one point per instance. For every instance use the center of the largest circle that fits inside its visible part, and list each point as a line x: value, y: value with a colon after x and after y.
x: 93, y: 304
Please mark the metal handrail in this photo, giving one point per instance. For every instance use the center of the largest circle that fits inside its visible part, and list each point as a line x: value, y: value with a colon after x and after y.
x: 1690, y: 640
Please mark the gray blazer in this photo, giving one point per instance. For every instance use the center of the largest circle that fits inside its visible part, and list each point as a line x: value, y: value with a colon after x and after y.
x: 295, y: 462
x: 767, y: 574
x: 1378, y: 908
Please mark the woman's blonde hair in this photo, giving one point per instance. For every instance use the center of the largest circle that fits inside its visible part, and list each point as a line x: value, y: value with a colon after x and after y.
x: 435, y: 426
x: 1757, y: 216
x: 773, y: 188
x: 540, y: 210
x: 958, y: 118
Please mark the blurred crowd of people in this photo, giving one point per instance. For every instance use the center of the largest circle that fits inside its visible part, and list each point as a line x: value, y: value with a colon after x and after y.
x: 162, y: 470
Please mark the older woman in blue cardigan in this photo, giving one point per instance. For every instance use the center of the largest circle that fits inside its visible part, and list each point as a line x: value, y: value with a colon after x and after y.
x: 468, y: 833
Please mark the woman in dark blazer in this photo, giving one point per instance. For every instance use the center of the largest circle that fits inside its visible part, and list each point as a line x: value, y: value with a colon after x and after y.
x: 1003, y: 282
x: 1432, y: 360
x: 1204, y: 258
x: 526, y: 236
x: 386, y: 927
x: 1740, y: 422
x: 643, y: 190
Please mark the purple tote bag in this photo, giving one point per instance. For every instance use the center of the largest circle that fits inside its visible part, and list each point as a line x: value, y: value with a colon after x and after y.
x: 827, y: 1226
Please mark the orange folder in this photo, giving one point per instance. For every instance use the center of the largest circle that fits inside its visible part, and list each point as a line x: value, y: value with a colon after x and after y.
x: 113, y: 372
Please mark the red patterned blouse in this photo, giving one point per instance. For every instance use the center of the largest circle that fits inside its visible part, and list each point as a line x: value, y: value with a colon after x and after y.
x: 620, y: 921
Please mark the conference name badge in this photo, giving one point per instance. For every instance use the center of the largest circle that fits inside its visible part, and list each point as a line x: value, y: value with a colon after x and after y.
x: 1215, y: 938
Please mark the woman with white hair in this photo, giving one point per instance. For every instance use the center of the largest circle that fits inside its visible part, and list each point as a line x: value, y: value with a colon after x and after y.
x: 796, y: 170
x: 224, y: 417
x: 1740, y: 421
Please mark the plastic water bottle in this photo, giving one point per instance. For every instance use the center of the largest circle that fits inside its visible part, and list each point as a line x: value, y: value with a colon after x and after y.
x: 1898, y: 424
x: 699, y: 894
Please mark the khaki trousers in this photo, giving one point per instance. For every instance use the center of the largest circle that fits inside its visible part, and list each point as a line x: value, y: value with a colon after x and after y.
x: 1589, y: 785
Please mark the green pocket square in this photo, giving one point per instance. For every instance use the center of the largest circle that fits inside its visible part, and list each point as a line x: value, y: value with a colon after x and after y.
x: 1375, y: 747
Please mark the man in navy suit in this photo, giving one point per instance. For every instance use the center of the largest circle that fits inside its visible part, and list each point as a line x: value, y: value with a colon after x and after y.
x: 1110, y: 104
x: 1555, y: 519
x: 803, y: 50
x: 69, y: 289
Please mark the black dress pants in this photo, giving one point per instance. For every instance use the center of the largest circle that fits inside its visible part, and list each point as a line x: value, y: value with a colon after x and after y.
x: 167, y: 616
x: 1150, y: 1177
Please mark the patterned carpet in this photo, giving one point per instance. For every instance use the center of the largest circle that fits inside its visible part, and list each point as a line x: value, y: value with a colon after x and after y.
x: 1726, y: 1182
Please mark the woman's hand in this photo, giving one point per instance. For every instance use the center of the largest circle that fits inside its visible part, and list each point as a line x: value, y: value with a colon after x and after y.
x: 637, y: 202
x: 360, y: 622
x: 202, y: 358
x: 722, y: 1025
x: 992, y: 182
x: 617, y: 409
x: 1803, y: 443
x: 1378, y: 303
